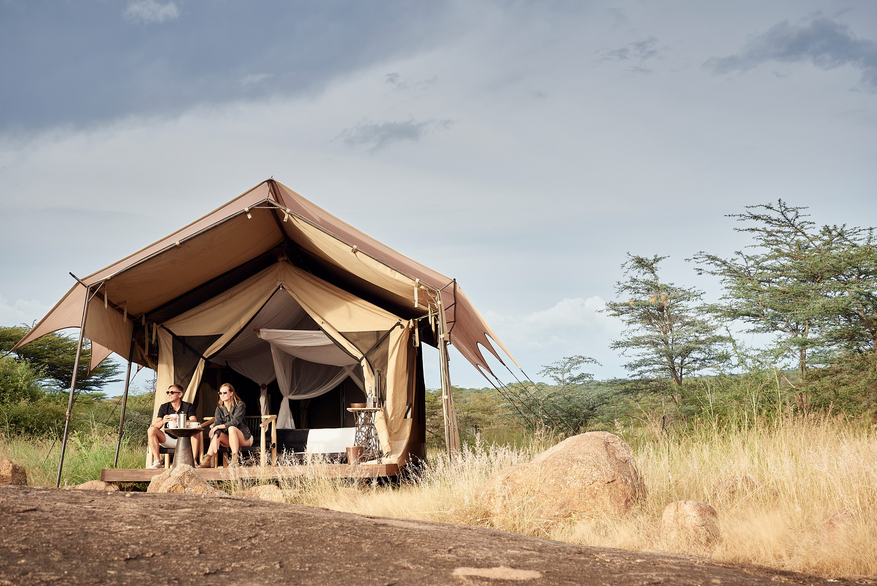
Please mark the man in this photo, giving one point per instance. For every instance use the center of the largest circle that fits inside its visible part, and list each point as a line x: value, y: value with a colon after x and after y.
x: 168, y: 412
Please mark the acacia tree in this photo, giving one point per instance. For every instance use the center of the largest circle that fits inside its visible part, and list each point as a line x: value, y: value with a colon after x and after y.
x: 668, y: 333
x: 568, y: 399
x: 808, y: 286
x: 565, y: 407
x: 850, y: 320
x: 52, y: 357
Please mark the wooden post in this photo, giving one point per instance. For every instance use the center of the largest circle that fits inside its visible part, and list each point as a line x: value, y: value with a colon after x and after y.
x: 125, y: 398
x: 452, y: 433
x: 73, y: 385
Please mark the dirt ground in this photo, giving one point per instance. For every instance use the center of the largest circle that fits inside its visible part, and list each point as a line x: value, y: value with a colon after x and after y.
x: 87, y: 537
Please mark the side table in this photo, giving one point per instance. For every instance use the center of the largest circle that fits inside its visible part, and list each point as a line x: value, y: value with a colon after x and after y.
x: 366, y: 432
x: 183, y: 450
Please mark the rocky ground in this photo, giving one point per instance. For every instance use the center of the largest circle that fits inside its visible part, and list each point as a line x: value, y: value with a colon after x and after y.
x: 92, y: 537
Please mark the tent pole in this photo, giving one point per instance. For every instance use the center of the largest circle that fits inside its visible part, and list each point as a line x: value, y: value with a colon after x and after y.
x: 73, y: 385
x: 125, y: 399
x: 452, y: 433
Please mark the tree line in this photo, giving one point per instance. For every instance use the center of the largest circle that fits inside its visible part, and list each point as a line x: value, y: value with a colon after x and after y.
x: 810, y: 292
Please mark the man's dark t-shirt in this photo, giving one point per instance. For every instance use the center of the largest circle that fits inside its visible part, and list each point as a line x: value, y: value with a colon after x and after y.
x: 168, y: 409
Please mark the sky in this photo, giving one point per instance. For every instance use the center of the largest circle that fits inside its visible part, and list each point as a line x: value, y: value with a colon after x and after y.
x: 523, y: 148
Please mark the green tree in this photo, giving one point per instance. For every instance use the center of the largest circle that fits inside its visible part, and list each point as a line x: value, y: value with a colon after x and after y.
x: 570, y: 399
x: 25, y: 409
x: 813, y: 288
x: 53, y: 356
x: 850, y: 310
x: 566, y: 407
x: 668, y: 332
x: 18, y: 381
x: 780, y: 287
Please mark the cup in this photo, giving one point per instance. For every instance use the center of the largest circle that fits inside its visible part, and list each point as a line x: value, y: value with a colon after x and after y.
x: 181, y: 420
x: 354, y: 453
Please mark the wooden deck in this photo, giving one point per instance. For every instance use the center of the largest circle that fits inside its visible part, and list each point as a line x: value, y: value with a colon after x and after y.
x: 364, y: 471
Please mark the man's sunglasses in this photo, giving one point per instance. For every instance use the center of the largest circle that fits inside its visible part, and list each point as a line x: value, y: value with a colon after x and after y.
x: 174, y: 393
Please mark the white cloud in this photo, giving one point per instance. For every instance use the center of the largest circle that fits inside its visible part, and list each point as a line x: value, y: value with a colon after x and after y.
x: 151, y: 12
x: 571, y: 326
x: 564, y: 327
x: 20, y: 312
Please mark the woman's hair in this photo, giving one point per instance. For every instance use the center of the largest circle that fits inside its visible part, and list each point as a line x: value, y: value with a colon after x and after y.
x: 232, y: 399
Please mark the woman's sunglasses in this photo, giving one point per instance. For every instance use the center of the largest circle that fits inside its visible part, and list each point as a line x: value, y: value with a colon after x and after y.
x: 223, y: 392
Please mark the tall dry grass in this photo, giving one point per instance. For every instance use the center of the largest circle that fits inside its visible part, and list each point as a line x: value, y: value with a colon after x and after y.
x: 442, y: 490
x: 804, y: 471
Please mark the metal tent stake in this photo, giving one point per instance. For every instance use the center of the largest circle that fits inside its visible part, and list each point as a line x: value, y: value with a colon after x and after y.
x: 73, y: 385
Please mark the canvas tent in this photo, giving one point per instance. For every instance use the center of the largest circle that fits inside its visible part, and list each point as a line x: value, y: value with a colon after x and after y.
x: 280, y: 291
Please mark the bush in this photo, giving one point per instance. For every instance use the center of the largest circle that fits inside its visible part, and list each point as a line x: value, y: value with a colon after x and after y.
x: 42, y: 417
x: 18, y: 381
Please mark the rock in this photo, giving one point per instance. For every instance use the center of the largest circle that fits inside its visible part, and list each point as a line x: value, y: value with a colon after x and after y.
x: 265, y: 492
x: 735, y: 488
x: 12, y: 473
x: 838, y: 523
x: 689, y: 526
x: 585, y: 475
x: 96, y: 485
x: 183, y: 479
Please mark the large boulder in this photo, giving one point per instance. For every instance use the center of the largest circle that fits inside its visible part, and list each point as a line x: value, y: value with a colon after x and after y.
x: 182, y: 479
x: 689, y: 526
x: 96, y: 485
x: 12, y: 473
x: 583, y: 476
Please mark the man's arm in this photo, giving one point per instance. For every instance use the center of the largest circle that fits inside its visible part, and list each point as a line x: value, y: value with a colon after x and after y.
x: 159, y: 420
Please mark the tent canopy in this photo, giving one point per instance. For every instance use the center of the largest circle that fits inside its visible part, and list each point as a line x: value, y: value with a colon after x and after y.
x: 268, y: 224
x: 272, y: 286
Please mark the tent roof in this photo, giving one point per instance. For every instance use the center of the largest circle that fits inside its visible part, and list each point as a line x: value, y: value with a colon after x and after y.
x: 269, y: 222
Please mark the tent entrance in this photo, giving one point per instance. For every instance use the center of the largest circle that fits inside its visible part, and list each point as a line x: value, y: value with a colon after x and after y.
x: 283, y: 346
x: 287, y: 327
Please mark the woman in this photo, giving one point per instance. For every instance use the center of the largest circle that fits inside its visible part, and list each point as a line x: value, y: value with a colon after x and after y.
x: 229, y: 429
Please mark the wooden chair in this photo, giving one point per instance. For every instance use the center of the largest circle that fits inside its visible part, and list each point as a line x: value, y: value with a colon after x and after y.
x: 261, y: 443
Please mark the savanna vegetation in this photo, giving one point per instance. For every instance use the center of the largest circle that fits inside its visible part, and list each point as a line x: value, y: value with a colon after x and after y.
x: 797, y: 415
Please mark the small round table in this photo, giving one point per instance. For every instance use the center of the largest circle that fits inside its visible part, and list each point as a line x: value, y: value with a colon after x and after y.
x: 183, y: 450
x: 366, y: 432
